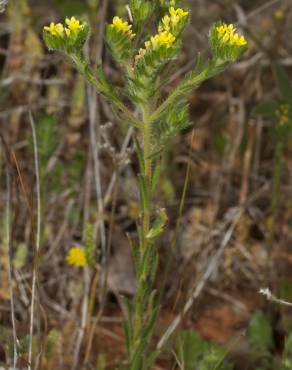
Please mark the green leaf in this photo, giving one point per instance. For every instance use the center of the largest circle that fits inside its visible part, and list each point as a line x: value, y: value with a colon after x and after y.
x: 288, y: 346
x: 190, y: 348
x: 143, y: 191
x: 158, y: 225
x: 137, y: 357
x: 196, y: 354
x: 68, y: 8
x: 150, y: 360
x: 283, y: 83
x: 149, y: 326
x: 260, y: 333
x: 139, y: 154
x: 146, y: 261
x: 266, y: 109
x: 141, y: 10
x: 119, y: 43
x: 89, y: 244
x: 101, y: 362
x: 128, y: 336
x: 164, y: 5
x: 20, y: 256
x: 174, y: 119
x: 46, y: 134
x: 52, y: 342
x: 155, y: 176
x: 143, y: 83
x: 220, y: 143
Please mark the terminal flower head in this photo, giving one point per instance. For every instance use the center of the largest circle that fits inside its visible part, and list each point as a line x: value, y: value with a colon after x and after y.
x: 174, y: 21
x: 225, y: 41
x: 73, y: 27
x: 76, y: 257
x: 68, y: 37
x: 73, y: 24
x: 228, y: 35
x: 122, y: 26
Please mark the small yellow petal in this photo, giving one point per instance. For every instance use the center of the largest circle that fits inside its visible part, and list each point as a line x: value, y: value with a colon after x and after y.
x: 73, y: 24
x: 163, y: 39
x: 122, y: 26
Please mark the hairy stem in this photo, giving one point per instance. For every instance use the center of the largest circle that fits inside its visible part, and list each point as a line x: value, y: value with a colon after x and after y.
x: 147, y: 168
x: 141, y: 314
x: 85, y: 70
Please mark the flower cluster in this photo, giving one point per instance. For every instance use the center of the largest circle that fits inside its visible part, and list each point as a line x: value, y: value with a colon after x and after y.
x: 69, y: 37
x: 73, y: 27
x: 76, y: 257
x: 175, y: 21
x: 122, y: 26
x: 226, y: 43
x: 169, y: 28
x: 228, y: 35
x: 282, y: 114
x: 164, y: 38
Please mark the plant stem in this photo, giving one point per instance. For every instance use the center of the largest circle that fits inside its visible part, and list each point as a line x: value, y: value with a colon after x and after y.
x: 140, y: 306
x: 85, y: 70
x: 147, y: 168
x: 191, y: 82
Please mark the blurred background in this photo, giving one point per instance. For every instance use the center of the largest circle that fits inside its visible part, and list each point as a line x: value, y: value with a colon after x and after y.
x: 234, y: 234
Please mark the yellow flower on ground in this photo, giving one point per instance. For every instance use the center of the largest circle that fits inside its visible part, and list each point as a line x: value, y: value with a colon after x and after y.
x: 76, y: 257
x: 279, y: 14
x: 73, y: 24
x: 228, y: 35
x: 122, y: 26
x: 162, y: 39
x: 55, y: 29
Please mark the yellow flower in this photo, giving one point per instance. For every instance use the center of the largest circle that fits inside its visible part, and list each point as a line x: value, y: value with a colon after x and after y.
x: 76, y: 257
x: 228, y: 35
x: 237, y: 40
x: 170, y: 21
x: 162, y: 39
x: 165, y: 24
x: 279, y: 14
x: 282, y: 114
x: 55, y: 29
x: 177, y: 13
x: 122, y: 26
x: 73, y: 25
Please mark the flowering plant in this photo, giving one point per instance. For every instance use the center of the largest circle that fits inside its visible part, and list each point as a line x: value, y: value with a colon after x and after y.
x: 143, y: 59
